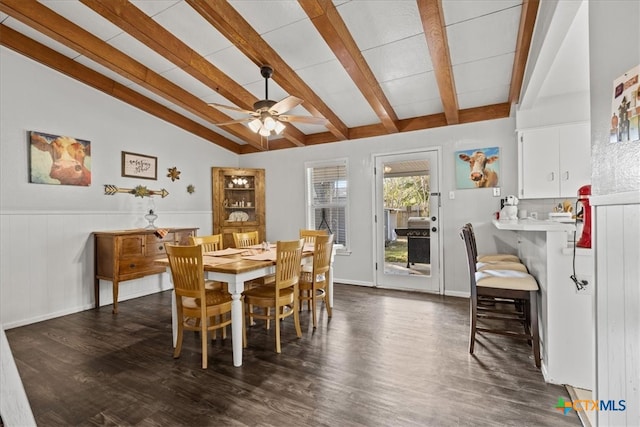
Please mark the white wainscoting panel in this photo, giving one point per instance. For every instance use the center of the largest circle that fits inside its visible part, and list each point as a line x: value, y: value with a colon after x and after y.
x: 617, y: 233
x: 46, y: 261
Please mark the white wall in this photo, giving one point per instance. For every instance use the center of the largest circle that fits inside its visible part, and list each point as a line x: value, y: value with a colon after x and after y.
x: 46, y: 250
x: 285, y: 193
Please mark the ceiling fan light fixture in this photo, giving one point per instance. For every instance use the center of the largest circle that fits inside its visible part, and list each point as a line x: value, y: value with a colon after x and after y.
x: 269, y: 123
x: 264, y: 131
x: 279, y: 128
x: 255, y: 125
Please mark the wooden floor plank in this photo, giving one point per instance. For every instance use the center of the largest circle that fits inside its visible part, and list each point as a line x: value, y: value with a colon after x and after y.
x: 386, y: 358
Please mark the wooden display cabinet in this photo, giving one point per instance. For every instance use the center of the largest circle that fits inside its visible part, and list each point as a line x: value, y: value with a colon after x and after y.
x: 130, y: 254
x: 238, y: 202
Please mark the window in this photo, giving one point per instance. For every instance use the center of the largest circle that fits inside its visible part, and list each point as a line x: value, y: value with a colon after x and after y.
x: 327, y: 197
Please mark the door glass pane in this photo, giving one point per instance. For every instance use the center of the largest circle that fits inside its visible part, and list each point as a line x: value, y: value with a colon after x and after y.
x: 406, y: 193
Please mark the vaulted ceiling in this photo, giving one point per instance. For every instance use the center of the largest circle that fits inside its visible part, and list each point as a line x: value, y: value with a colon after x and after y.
x: 369, y: 67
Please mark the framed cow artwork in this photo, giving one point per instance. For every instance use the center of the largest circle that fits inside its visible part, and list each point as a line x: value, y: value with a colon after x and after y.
x: 59, y: 160
x: 477, y: 168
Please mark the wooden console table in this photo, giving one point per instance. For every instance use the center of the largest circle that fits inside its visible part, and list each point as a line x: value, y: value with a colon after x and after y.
x: 130, y: 254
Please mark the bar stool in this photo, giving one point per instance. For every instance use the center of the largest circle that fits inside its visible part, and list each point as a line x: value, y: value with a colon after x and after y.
x: 501, y: 296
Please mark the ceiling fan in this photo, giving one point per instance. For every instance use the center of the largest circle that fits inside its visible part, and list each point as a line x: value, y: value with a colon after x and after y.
x: 268, y: 116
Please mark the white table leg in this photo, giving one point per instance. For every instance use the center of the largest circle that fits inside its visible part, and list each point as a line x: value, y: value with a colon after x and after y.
x: 174, y: 318
x: 236, y: 328
x: 330, y: 302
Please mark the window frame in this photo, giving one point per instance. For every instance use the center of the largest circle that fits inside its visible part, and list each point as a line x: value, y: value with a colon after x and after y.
x: 310, y: 207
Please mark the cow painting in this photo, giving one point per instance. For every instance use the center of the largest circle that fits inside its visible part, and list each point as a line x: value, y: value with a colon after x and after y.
x: 480, y: 170
x: 60, y: 160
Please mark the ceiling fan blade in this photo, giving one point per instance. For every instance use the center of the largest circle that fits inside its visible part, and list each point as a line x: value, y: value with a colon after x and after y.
x: 233, y: 122
x: 228, y: 107
x: 309, y: 120
x: 285, y: 105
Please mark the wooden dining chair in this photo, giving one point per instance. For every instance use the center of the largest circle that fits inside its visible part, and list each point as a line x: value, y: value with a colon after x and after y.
x: 500, y: 298
x: 314, y: 283
x: 187, y: 272
x: 497, y: 263
x: 309, y: 236
x: 489, y: 257
x: 210, y: 243
x: 279, y: 300
x: 242, y: 240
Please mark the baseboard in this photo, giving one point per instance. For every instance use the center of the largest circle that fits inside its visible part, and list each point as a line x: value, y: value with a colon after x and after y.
x: 460, y: 294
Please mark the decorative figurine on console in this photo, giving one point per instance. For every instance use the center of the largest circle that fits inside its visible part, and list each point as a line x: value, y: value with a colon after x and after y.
x: 510, y: 210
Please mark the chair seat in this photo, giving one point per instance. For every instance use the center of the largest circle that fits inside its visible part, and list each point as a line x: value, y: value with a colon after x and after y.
x: 213, y: 298
x: 265, y: 296
x: 506, y: 279
x: 498, y: 257
x: 501, y: 265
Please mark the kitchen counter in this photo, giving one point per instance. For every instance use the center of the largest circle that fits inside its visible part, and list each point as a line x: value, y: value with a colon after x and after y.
x: 533, y: 225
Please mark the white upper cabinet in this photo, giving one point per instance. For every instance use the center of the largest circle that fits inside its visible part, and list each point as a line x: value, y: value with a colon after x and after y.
x: 554, y: 161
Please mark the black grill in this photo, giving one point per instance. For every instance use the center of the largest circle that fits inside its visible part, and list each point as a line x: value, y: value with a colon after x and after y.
x: 418, y: 240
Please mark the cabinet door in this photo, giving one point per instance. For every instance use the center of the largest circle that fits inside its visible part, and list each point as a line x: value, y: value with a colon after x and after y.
x: 539, y: 164
x: 575, y: 158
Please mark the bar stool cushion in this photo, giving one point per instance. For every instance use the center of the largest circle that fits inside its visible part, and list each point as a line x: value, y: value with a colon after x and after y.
x: 506, y: 279
x: 515, y: 266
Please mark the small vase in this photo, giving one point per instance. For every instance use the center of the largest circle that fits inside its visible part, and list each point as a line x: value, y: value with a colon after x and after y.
x: 151, y: 217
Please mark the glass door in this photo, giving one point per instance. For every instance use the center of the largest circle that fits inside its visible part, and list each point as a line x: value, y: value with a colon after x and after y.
x: 408, y: 221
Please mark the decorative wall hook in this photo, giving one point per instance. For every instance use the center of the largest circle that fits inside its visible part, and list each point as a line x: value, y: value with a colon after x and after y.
x: 139, y: 191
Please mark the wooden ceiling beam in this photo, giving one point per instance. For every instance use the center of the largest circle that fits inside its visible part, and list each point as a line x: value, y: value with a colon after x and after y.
x: 329, y: 23
x: 233, y: 26
x: 140, y: 26
x: 435, y: 31
x: 523, y: 44
x: 67, y: 66
x: 73, y: 36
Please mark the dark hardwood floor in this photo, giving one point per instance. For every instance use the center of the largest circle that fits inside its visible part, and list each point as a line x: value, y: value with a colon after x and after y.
x: 386, y: 358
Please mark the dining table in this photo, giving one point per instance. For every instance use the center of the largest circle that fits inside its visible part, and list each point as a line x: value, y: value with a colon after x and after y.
x: 237, y: 266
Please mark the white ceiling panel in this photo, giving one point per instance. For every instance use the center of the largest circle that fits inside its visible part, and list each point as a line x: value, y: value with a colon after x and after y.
x: 456, y: 11
x: 487, y: 36
x: 153, y: 7
x: 399, y: 59
x: 3, y: 16
x: 235, y: 65
x: 378, y: 22
x: 485, y: 73
x: 151, y: 95
x: 351, y: 107
x: 420, y: 108
x: 266, y: 16
x: 418, y: 87
x: 138, y: 51
x: 307, y: 48
x: 84, y: 17
x: 192, y: 29
x: 188, y: 83
x: 488, y: 96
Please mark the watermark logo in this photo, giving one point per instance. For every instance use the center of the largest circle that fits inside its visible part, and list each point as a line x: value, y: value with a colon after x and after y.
x: 590, y: 405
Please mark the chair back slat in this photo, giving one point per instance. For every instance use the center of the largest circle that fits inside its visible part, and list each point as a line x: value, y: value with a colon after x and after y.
x: 209, y: 243
x: 465, y: 235
x: 187, y: 270
x: 242, y: 240
x: 322, y: 255
x: 289, y: 257
x: 309, y: 236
